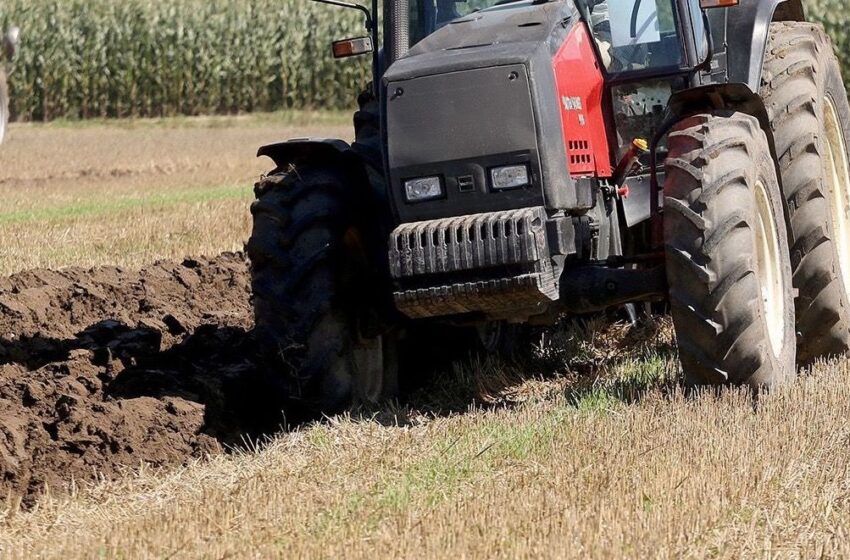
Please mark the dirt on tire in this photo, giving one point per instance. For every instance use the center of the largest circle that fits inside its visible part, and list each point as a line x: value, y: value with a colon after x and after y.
x: 718, y: 169
x: 104, y: 370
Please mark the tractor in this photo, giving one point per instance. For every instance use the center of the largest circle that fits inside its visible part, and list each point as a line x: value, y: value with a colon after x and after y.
x: 10, y: 43
x: 516, y: 161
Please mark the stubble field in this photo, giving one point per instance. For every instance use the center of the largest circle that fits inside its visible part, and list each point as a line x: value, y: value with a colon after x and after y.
x: 132, y: 192
x: 135, y: 425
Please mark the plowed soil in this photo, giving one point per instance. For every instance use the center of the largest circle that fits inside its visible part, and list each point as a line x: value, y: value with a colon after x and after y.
x: 105, y: 369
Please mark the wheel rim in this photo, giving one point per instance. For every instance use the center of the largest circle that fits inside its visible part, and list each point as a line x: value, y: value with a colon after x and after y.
x: 489, y: 334
x: 838, y: 184
x: 769, y: 268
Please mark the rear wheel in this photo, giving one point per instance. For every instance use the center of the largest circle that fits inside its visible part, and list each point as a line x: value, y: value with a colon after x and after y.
x: 728, y: 263
x: 311, y: 285
x: 509, y: 341
x: 810, y: 116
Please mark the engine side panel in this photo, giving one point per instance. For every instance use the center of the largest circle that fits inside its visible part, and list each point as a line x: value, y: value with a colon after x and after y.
x: 580, y: 91
x: 477, y: 94
x: 458, y: 126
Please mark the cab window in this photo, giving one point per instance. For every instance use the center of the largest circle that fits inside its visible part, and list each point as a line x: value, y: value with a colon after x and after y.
x: 427, y: 16
x: 634, y: 35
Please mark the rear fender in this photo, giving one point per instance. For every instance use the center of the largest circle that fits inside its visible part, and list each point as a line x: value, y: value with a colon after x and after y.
x: 744, y: 29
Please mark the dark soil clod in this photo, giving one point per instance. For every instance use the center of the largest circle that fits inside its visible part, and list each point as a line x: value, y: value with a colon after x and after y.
x: 92, y: 381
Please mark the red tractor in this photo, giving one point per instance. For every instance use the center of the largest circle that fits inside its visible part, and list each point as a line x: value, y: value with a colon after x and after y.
x: 518, y: 160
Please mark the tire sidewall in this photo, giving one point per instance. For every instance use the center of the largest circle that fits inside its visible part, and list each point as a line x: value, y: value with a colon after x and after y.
x: 765, y: 172
x: 832, y: 86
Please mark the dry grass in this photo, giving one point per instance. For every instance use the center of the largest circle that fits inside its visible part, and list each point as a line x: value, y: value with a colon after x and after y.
x: 591, y: 450
x: 129, y: 192
x: 560, y: 473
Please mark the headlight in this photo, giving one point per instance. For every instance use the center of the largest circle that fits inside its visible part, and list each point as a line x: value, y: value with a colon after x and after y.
x: 509, y: 177
x: 425, y: 188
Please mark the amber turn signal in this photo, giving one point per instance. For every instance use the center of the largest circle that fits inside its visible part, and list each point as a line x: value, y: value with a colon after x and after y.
x: 705, y: 4
x: 352, y: 47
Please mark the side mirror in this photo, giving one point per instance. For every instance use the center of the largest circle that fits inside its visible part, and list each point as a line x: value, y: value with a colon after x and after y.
x: 352, y: 47
x: 10, y: 42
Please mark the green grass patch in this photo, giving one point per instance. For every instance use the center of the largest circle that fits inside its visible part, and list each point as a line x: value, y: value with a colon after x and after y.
x: 456, y: 461
x: 626, y: 382
x: 286, y: 118
x: 103, y: 207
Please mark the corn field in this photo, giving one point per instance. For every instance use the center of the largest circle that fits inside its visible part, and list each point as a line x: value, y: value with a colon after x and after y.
x: 835, y: 15
x: 123, y: 58
x: 141, y: 58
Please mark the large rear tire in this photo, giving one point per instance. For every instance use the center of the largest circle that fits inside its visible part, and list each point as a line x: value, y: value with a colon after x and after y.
x: 728, y: 263
x: 311, y: 280
x: 810, y: 116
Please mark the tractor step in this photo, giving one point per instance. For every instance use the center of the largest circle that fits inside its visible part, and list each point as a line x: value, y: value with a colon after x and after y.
x: 496, y: 263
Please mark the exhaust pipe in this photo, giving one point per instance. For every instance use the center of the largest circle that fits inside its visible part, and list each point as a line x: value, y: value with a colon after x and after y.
x: 397, y: 30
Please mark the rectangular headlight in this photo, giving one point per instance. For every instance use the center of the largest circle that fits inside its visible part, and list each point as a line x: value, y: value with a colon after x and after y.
x: 424, y: 188
x: 509, y: 177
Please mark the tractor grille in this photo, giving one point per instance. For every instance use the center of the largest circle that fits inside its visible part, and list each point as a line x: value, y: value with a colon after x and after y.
x: 490, y: 263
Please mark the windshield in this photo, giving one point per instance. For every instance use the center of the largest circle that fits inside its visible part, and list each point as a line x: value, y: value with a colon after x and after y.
x: 631, y: 35
x: 634, y: 35
x: 427, y: 16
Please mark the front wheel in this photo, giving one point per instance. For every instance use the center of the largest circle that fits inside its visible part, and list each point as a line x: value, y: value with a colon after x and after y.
x: 312, y: 282
x: 728, y: 263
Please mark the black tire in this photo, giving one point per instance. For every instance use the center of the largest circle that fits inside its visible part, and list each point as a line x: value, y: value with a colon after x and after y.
x: 801, y: 72
x: 715, y: 165
x: 508, y: 341
x: 311, y: 287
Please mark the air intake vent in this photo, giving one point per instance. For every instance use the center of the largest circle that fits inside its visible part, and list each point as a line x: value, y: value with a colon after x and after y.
x: 581, y: 156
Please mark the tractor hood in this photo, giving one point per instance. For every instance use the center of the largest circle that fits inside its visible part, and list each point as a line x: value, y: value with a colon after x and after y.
x: 478, y: 94
x: 509, y: 34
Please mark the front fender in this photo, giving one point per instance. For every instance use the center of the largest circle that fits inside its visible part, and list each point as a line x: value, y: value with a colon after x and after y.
x: 302, y: 150
x: 727, y: 97
x: 337, y: 154
x: 723, y: 97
